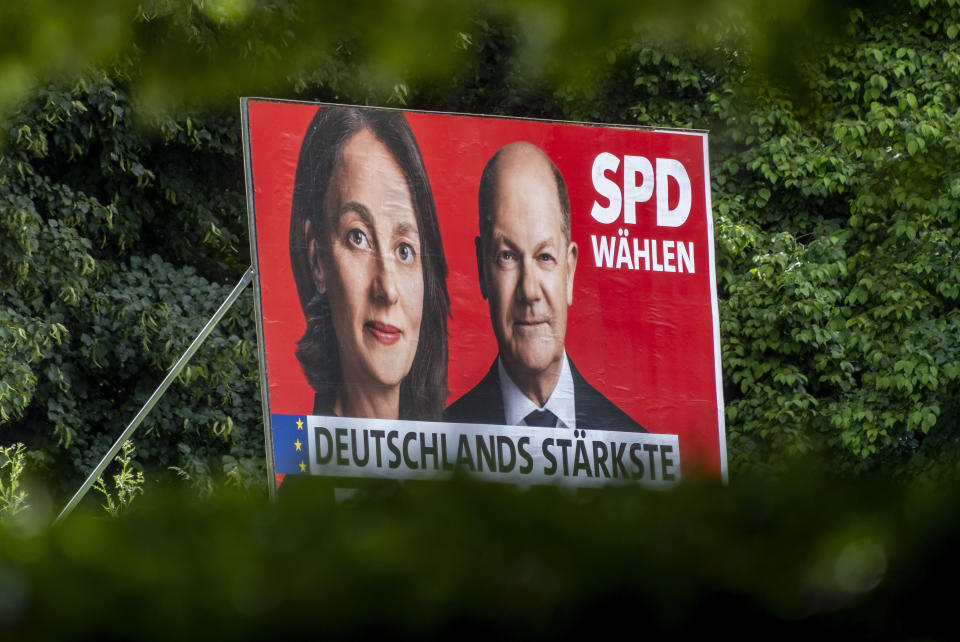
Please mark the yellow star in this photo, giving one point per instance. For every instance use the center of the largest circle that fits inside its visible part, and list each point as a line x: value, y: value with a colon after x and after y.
x: 303, y: 467
x: 299, y: 424
x: 297, y: 444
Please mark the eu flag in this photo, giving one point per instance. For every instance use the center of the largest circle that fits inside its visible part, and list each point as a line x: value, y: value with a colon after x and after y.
x: 290, y: 448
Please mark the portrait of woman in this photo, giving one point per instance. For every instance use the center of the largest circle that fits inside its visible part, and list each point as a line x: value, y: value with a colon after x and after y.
x: 369, y: 267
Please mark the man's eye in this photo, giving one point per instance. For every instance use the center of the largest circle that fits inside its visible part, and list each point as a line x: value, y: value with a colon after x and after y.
x: 405, y: 253
x: 545, y: 257
x: 505, y: 256
x: 357, y: 238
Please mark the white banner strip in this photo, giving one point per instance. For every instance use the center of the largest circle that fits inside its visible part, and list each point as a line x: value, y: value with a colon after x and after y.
x: 385, y: 449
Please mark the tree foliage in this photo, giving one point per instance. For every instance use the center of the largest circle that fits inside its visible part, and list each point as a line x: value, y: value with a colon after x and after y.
x: 839, y: 224
x: 118, y: 243
x: 834, y: 162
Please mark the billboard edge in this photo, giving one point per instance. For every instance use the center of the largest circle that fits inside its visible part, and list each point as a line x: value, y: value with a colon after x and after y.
x: 258, y: 308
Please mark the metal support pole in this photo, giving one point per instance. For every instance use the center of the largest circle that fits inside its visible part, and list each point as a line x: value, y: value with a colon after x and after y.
x: 155, y: 397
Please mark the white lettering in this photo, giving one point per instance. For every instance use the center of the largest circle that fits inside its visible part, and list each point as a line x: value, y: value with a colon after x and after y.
x: 644, y: 253
x: 603, y: 253
x: 657, y: 267
x: 623, y: 252
x: 651, y: 255
x: 685, y: 257
x: 641, y: 179
x: 603, y: 163
x: 668, y: 168
x: 668, y: 265
x: 632, y: 192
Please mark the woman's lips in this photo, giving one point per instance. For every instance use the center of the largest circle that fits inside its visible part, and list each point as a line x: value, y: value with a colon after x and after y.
x: 383, y: 332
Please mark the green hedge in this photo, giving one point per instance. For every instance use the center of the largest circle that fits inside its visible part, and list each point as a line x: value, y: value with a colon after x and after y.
x: 792, y: 558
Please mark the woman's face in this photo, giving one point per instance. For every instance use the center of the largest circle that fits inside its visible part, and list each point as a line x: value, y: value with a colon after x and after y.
x: 370, y: 264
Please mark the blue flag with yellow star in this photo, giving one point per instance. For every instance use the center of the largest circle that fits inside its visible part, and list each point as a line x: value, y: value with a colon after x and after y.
x: 290, y: 444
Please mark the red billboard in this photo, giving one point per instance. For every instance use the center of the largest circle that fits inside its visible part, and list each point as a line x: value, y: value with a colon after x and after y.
x: 519, y: 299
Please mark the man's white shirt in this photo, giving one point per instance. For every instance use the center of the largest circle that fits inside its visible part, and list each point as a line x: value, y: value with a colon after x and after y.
x: 516, y: 405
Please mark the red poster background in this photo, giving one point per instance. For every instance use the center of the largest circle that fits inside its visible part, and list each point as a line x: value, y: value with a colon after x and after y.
x: 644, y: 339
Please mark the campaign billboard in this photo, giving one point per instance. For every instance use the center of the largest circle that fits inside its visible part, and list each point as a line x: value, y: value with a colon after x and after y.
x: 519, y: 300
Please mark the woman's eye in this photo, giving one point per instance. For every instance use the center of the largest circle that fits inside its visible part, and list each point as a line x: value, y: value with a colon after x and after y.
x: 405, y: 253
x: 357, y: 238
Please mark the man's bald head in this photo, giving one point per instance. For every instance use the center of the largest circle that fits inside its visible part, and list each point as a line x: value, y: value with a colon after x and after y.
x: 513, y: 158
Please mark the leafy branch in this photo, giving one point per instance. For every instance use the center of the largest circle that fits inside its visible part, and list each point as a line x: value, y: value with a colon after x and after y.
x: 127, y: 483
x: 13, y: 498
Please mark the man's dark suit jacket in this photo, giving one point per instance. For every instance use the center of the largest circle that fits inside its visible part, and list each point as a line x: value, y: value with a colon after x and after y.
x: 484, y: 405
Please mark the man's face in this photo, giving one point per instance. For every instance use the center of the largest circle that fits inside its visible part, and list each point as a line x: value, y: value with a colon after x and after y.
x: 528, y: 267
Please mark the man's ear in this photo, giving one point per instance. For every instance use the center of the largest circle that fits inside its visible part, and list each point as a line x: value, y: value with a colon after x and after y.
x: 481, y: 273
x: 571, y: 269
x: 313, y: 256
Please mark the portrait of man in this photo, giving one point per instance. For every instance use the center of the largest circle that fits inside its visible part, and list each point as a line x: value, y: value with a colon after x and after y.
x: 526, y: 262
